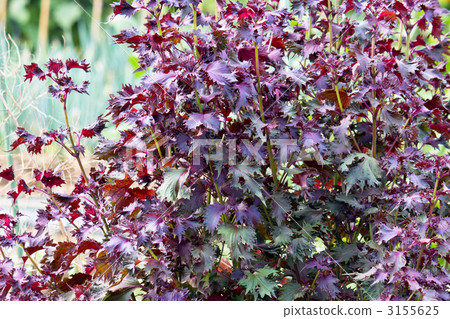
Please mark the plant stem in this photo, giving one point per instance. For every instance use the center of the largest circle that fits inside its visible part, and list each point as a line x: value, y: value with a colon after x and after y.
x: 37, y: 267
x: 433, y: 202
x: 396, y: 215
x: 153, y: 254
x: 338, y: 97
x: 308, y: 33
x: 261, y: 109
x: 411, y: 295
x: 156, y: 143
x: 32, y: 260
x: 3, y: 253
x: 375, y: 109
x: 197, y: 97
x: 285, y: 174
x: 197, y: 56
x: 313, y: 285
x: 77, y: 156
x: 330, y: 25
x: 408, y: 40
x: 219, y: 195
x: 397, y: 137
x: 400, y: 36
x: 158, y: 22
x: 342, y: 110
x: 63, y: 230
x: 272, y: 162
x: 372, y: 54
x: 374, y: 133
x: 267, y: 215
x: 216, y: 12
x: 220, y: 256
x: 208, y: 199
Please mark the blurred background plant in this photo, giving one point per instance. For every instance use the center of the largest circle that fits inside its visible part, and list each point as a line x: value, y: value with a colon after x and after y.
x: 71, y: 29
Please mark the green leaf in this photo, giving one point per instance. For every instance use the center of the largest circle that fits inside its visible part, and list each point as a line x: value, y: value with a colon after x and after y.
x: 234, y: 235
x: 301, y: 248
x: 348, y: 161
x: 282, y: 235
x: 345, y: 252
x: 257, y: 282
x: 349, y: 200
x: 173, y: 186
x: 291, y: 291
x: 366, y: 173
x: 122, y: 291
x: 280, y: 207
x: 247, y: 172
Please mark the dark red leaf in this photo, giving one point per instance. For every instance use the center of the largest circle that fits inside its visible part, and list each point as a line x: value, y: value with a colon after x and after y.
x: 331, y: 95
x: 277, y: 42
x: 7, y: 174
x: 123, y: 7
x: 33, y: 70
x: 5, y: 221
x: 54, y: 66
x: 435, y: 103
x: 387, y: 16
x: 437, y: 27
x: 77, y: 279
x: 422, y: 23
x: 74, y: 64
x: 95, y: 129
x: 48, y: 178
x: 23, y: 187
x: 400, y: 7
x: 118, y: 190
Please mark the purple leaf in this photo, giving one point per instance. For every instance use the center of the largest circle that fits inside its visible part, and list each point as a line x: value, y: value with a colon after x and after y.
x: 386, y: 234
x: 342, y: 129
x: 312, y: 47
x: 220, y: 73
x: 397, y: 260
x: 249, y: 215
x: 212, y: 216
x: 327, y: 283
x: 119, y: 245
x: 123, y: 7
x: 209, y: 121
x: 164, y: 79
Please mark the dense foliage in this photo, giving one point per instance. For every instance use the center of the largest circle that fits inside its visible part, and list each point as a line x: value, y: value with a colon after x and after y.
x: 266, y: 154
